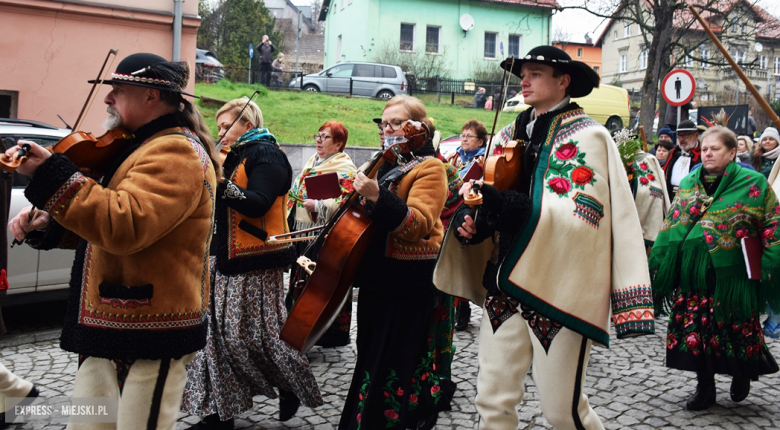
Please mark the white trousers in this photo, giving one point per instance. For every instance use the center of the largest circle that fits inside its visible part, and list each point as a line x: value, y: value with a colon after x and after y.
x: 12, y: 386
x: 150, y: 398
x: 505, y: 358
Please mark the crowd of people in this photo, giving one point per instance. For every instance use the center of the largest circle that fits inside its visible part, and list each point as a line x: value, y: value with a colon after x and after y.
x: 198, y: 330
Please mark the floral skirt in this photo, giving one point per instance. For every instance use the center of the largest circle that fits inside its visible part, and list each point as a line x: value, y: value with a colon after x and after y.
x: 244, y: 356
x: 695, y: 341
x: 396, y: 382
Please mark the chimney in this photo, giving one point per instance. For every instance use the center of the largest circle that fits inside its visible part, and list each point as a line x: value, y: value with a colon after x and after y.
x: 588, y: 40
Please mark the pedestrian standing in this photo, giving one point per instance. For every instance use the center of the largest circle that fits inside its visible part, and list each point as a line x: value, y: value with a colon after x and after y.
x: 244, y: 356
x: 278, y: 70
x: 265, y: 56
x: 139, y: 285
x: 532, y: 314
x: 700, y: 276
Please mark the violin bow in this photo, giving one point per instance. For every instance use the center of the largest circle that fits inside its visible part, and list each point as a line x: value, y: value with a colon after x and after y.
x: 92, y: 93
x: 501, y: 97
x: 219, y: 142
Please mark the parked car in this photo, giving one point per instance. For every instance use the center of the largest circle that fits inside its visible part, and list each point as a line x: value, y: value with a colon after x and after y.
x: 607, y: 104
x: 32, y: 275
x: 207, y: 67
x: 367, y: 79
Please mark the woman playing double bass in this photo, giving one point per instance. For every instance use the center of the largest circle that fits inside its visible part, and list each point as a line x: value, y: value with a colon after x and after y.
x: 394, y: 385
x: 244, y: 356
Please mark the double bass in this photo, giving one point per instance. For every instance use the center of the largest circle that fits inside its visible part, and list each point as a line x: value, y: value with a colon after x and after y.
x: 342, y: 243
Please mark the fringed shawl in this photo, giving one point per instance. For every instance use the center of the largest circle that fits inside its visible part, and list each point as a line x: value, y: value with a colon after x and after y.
x: 339, y: 163
x: 743, y: 205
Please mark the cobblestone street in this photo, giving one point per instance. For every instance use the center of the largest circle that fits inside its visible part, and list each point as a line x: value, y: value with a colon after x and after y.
x: 628, y: 386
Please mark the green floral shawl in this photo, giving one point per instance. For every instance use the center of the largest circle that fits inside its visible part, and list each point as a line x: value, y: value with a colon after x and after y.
x: 742, y: 206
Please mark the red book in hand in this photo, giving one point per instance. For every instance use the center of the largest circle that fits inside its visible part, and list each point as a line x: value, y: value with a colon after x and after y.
x: 322, y: 187
x: 753, y: 250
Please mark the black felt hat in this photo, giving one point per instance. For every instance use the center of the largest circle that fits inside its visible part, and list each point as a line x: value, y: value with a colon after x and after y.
x: 686, y: 126
x: 583, y: 78
x: 151, y: 71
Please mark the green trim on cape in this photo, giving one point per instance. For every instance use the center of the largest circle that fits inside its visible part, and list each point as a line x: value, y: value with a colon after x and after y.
x: 518, y: 248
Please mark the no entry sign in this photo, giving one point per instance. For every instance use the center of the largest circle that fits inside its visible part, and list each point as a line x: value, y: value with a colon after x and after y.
x: 678, y: 87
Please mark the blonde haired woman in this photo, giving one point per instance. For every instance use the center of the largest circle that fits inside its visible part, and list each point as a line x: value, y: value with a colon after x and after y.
x: 244, y: 356
x: 395, y: 385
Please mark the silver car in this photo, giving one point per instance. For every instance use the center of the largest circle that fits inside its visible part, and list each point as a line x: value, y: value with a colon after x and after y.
x: 365, y: 79
x: 33, y: 275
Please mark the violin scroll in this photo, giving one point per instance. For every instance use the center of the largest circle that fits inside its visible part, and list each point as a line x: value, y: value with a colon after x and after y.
x: 10, y: 163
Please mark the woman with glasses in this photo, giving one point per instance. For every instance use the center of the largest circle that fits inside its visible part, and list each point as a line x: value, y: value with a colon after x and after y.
x: 244, y: 356
x: 305, y: 212
x: 395, y: 384
x: 468, y: 161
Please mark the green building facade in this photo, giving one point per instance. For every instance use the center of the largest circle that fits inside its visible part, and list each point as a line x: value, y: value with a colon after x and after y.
x: 375, y: 30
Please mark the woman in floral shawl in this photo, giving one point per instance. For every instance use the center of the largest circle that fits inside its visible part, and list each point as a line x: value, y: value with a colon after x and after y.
x: 305, y: 213
x: 699, y: 271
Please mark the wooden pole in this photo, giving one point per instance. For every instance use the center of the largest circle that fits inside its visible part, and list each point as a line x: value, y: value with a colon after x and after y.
x: 764, y: 105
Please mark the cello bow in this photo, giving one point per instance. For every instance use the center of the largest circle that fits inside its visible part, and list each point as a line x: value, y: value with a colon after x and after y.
x: 756, y: 95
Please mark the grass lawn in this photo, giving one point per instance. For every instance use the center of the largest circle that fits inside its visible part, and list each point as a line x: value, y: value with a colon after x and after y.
x: 295, y: 116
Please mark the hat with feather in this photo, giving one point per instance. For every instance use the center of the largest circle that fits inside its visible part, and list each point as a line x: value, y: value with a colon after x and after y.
x: 151, y: 71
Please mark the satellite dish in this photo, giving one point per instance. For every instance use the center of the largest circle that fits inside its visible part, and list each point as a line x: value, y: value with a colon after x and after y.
x: 466, y: 22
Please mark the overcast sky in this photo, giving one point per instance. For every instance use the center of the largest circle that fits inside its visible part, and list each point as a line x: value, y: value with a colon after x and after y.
x: 575, y: 23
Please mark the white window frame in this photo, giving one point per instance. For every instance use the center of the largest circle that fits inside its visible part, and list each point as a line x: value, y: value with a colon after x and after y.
x: 495, y: 45
x: 616, y: 34
x: 627, y: 29
x: 414, y: 37
x: 688, y: 61
x: 438, y: 39
x: 705, y: 56
x: 643, y: 59
x: 519, y: 44
x: 623, y: 65
x: 762, y: 62
x: 777, y: 65
x: 579, y: 52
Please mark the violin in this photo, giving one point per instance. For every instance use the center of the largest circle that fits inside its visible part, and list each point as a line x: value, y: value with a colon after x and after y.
x: 342, y: 242
x: 91, y: 154
x: 503, y: 170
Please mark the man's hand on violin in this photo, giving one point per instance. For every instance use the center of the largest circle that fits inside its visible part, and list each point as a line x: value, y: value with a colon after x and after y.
x: 35, y: 156
x: 366, y: 187
x: 27, y: 220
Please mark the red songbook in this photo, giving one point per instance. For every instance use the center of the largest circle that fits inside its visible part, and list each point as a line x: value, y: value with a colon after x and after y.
x: 753, y: 250
x: 322, y: 187
x: 474, y: 172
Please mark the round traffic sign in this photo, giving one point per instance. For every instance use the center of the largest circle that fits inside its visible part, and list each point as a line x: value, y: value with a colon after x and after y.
x: 678, y: 87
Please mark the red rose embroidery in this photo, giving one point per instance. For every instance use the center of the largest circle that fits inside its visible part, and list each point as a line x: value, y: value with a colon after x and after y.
x: 412, y: 398
x: 671, y: 341
x: 498, y: 151
x: 358, y: 417
x: 391, y: 414
x: 740, y: 233
x: 644, y: 166
x: 753, y: 350
x: 708, y: 238
x: 651, y: 177
x: 692, y: 341
x: 582, y: 175
x: 754, y: 191
x: 694, y: 210
x: 386, y: 394
x: 679, y: 301
x: 399, y: 392
x: 676, y: 214
x: 714, y: 344
x: 644, y: 181
x: 693, y: 304
x: 566, y: 151
x: 559, y: 185
x: 435, y: 389
x: 768, y: 232
x: 704, y: 320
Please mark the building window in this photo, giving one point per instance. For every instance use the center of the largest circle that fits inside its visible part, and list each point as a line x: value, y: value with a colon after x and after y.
x: 705, y: 57
x: 615, y: 34
x: 342, y: 4
x: 623, y: 63
x: 777, y: 65
x: 432, y: 39
x: 338, y: 48
x: 490, y: 44
x: 407, y: 37
x: 744, y: 28
x: 596, y: 69
x: 734, y: 26
x: 688, y: 61
x: 762, y: 62
x: 643, y: 59
x: 739, y: 56
x: 8, y: 103
x: 579, y: 52
x: 515, y: 42
x: 627, y: 29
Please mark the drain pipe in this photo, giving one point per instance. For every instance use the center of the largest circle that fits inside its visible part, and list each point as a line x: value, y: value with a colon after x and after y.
x: 177, y: 17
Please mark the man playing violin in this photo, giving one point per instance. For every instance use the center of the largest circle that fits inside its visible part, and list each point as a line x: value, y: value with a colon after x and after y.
x: 139, y: 286
x: 569, y: 247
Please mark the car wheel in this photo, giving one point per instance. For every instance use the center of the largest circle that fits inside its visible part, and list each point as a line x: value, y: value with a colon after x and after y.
x: 614, y: 123
x: 311, y: 88
x: 385, y: 95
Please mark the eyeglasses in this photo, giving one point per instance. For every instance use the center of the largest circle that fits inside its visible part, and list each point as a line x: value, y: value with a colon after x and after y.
x: 394, y: 125
x: 467, y: 137
x: 322, y: 137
